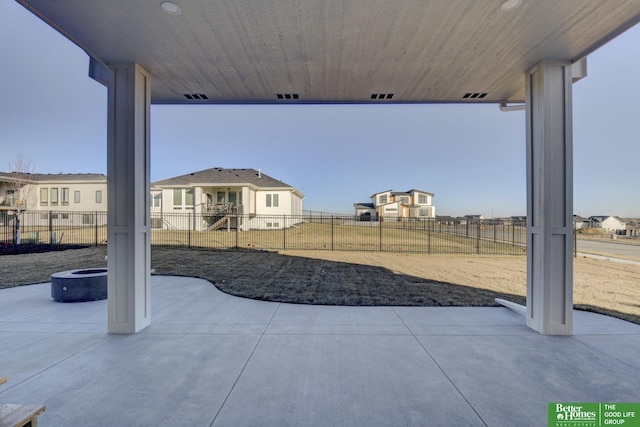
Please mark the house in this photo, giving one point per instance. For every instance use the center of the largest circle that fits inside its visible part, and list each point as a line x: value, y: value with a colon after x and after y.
x: 609, y: 223
x: 69, y: 199
x: 225, y: 198
x: 633, y: 227
x: 398, y: 204
x: 580, y: 222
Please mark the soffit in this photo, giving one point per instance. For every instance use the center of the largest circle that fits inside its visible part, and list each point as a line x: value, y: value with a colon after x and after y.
x: 337, y: 51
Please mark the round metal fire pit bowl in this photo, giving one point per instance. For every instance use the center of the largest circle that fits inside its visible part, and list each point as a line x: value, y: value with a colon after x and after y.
x: 79, y: 285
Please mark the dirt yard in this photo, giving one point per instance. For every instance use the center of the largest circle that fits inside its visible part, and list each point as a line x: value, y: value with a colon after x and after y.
x: 357, y: 278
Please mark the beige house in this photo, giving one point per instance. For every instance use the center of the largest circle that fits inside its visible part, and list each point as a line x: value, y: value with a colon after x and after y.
x: 71, y: 199
x: 398, y: 204
x: 225, y: 198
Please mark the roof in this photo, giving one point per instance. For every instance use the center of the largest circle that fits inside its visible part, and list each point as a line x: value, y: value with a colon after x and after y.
x: 413, y: 190
x: 49, y: 177
x: 402, y: 193
x: 380, y: 192
x: 364, y: 205
x: 57, y: 177
x: 338, y: 51
x: 217, y: 176
x: 603, y: 217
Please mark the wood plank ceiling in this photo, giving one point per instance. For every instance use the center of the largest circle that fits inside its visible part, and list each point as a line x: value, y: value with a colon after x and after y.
x: 337, y: 51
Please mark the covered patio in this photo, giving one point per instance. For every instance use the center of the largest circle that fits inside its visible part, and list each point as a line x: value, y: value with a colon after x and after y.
x: 516, y: 54
x: 213, y: 359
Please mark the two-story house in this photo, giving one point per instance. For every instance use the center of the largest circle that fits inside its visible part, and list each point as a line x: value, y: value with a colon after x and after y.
x: 398, y: 204
x: 70, y: 199
x: 233, y: 198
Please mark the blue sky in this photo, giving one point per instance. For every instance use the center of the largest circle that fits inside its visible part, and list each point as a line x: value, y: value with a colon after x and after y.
x: 471, y: 156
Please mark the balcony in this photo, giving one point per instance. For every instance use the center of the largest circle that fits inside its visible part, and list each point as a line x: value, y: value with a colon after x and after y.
x: 12, y: 203
x: 218, y: 209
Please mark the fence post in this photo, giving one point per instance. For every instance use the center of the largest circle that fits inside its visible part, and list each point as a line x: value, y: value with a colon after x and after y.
x: 189, y: 228
x: 429, y: 236
x: 51, y: 239
x: 380, y: 234
x: 237, y: 230
x: 284, y: 232
x: 331, y: 231
x: 478, y: 238
x: 95, y: 220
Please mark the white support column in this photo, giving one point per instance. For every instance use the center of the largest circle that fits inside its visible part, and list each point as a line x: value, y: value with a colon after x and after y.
x: 197, y: 209
x: 128, y: 189
x: 549, y: 198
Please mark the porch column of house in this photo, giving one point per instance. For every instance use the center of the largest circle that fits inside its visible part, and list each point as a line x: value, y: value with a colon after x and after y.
x: 197, y: 207
x: 246, y: 208
x: 549, y: 198
x: 128, y: 188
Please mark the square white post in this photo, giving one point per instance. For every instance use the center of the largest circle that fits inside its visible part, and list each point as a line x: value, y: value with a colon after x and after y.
x: 128, y: 192
x: 549, y: 198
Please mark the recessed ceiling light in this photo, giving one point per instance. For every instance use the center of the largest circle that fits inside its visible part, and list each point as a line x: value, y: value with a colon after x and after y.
x: 510, y: 5
x: 171, y: 8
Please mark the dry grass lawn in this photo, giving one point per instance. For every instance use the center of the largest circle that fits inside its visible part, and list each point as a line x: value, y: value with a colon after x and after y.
x: 357, y: 278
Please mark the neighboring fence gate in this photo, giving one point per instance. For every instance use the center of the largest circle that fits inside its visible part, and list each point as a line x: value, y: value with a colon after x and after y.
x: 281, y: 232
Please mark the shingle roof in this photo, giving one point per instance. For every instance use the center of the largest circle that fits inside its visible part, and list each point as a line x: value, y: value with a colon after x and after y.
x: 400, y: 193
x: 47, y: 177
x: 225, y: 176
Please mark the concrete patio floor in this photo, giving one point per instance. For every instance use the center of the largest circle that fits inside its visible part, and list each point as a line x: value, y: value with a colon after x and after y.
x: 213, y: 359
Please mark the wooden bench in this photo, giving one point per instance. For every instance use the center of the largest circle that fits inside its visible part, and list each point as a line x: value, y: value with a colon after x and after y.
x: 15, y: 415
x: 12, y: 415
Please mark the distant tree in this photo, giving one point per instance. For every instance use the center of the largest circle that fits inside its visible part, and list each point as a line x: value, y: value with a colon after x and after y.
x: 21, y: 188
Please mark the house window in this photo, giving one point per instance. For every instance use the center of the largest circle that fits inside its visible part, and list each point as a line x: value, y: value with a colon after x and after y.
x: 188, y: 198
x: 54, y: 197
x: 76, y: 196
x: 98, y: 196
x: 65, y: 197
x: 404, y: 199
x: 44, y: 196
x: 177, y: 198
x: 423, y: 199
x: 10, y: 197
x: 65, y: 216
x: 232, y: 197
x: 220, y: 197
x: 87, y: 219
x: 382, y: 199
x: 156, y: 200
x: 273, y: 200
x: 424, y: 212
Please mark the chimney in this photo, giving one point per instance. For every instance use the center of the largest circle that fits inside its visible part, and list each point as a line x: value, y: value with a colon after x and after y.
x: 259, y: 173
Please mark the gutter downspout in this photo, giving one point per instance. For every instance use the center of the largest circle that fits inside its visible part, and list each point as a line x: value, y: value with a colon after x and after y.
x: 508, y: 108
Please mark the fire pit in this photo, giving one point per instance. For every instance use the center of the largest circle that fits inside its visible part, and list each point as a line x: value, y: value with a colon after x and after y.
x: 79, y: 285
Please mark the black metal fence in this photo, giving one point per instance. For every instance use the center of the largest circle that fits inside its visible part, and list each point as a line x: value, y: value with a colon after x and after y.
x: 281, y: 232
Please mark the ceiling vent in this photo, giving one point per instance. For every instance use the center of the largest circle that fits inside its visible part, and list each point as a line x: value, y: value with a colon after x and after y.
x: 287, y: 96
x: 379, y: 96
x: 196, y: 96
x: 474, y: 95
